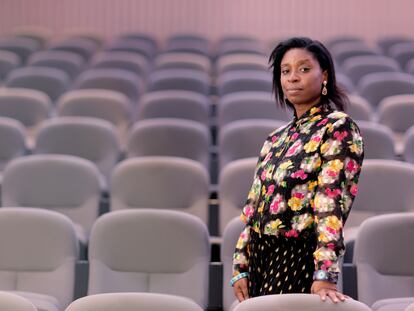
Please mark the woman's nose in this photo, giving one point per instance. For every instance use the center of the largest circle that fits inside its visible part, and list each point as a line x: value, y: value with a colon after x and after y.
x: 293, y: 76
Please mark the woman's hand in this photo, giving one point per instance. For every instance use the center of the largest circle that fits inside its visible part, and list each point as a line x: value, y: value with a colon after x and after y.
x: 326, y: 289
x: 241, y: 289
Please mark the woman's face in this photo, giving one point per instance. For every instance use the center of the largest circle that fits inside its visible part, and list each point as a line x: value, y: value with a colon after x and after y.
x: 301, y: 78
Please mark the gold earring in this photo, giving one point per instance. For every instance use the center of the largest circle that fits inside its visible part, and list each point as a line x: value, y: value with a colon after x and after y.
x: 324, y: 89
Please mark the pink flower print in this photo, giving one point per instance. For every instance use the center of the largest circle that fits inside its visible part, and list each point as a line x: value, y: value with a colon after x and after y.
x: 331, y: 173
x: 332, y: 193
x: 327, y: 263
x: 340, y: 135
x: 294, y: 136
x: 274, y: 138
x: 292, y: 150
x: 248, y: 211
x: 268, y: 156
x: 330, y: 246
x: 263, y: 176
x: 354, y: 189
x: 274, y: 206
x: 270, y: 190
x: 299, y: 195
x: 299, y: 174
x: 322, y: 122
x: 291, y: 233
x: 352, y: 166
x: 331, y: 230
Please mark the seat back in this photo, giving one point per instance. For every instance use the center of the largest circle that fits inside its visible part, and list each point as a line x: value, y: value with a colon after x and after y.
x: 12, y: 140
x: 9, y: 301
x: 397, y: 112
x: 378, y: 141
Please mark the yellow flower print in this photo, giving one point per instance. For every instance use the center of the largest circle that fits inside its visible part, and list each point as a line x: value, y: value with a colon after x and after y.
x: 324, y: 147
x: 336, y: 165
x: 311, y: 146
x: 333, y: 222
x: 314, y: 110
x: 295, y: 203
x: 286, y: 165
x: 316, y: 118
x: 329, y: 127
x: 312, y: 185
x: 261, y: 207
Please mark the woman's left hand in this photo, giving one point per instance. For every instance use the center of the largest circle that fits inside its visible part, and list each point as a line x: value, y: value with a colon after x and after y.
x: 326, y: 289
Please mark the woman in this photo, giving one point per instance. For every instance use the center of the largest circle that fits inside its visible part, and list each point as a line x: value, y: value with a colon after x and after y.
x: 304, y: 184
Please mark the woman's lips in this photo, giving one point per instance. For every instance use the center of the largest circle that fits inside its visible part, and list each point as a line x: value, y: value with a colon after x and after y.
x: 294, y: 91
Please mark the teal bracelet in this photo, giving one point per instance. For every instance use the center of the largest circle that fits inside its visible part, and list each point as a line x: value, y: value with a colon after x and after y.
x: 238, y: 277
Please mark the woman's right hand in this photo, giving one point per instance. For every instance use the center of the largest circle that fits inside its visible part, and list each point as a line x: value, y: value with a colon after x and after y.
x: 241, y: 289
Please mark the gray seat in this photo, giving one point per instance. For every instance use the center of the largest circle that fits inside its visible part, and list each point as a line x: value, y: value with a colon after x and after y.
x: 298, y: 302
x: 397, y: 112
x: 338, y: 39
x: 408, y: 149
x: 108, y: 105
x: 378, y: 141
x: 133, y: 302
x: 410, y: 307
x: 345, y: 50
x: 8, y: 62
x: 9, y: 301
x: 40, y: 34
x: 63, y: 183
x: 175, y: 104
x: 250, y: 105
x: 39, y: 253
x: 12, y: 141
x: 237, y: 45
x: 359, y: 108
x: 358, y: 66
x: 23, y: 47
x: 151, y: 40
x: 170, y: 137
x: 388, y: 41
x: 345, y: 83
x: 183, y: 61
x: 242, y: 62
x: 244, y: 139
x: 131, y: 45
x: 188, y: 43
x: 82, y: 46
x: 244, y: 80
x: 178, y: 184
x: 233, y: 187
x: 53, y: 82
x: 179, y: 79
x: 123, y: 257
x: 384, y: 188
x: 402, y: 52
x: 376, y: 86
x: 89, y: 138
x: 71, y: 63
x: 133, y: 62
x: 119, y: 80
x: 231, y: 234
x: 380, y: 274
x: 393, y: 304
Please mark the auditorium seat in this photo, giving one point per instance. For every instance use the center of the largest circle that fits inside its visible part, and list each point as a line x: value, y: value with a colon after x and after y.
x: 133, y: 302
x: 188, y: 43
x: 378, y: 139
x: 9, y: 301
x: 8, y: 62
x: 359, y: 108
x: 62, y: 183
x: 132, y: 45
x: 37, y: 33
x: 402, y: 52
x: 240, y: 44
x: 383, y: 257
x: 133, y: 62
x: 161, y: 183
x: 386, y: 42
x: 84, y: 47
x: 22, y: 47
x: 235, y: 181
x: 39, y: 252
x: 150, y: 39
x: 182, y: 60
x: 397, y: 112
x: 393, y: 304
x: 244, y: 80
x: 53, y: 82
x: 343, y: 51
x: 242, y: 61
x: 12, y: 141
x: 147, y: 250
x: 408, y: 145
x: 170, y: 137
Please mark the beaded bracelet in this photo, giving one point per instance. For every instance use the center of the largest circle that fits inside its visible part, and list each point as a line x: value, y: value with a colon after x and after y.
x: 238, y: 277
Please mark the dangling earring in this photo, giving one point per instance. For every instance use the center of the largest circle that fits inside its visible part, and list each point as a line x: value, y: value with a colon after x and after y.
x: 324, y: 89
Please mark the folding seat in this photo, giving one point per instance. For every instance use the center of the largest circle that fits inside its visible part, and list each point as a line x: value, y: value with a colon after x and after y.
x: 345, y: 83
x: 39, y: 253
x: 244, y: 139
x: 385, y: 43
x: 133, y: 302
x: 298, y: 302
x: 71, y: 63
x: 240, y: 44
x: 161, y: 183
x: 376, y: 86
x: 139, y: 47
x: 378, y: 141
x: 8, y: 62
x: 9, y: 301
x: 394, y: 304
x: 250, y: 105
x: 136, y: 36
x: 231, y: 234
x: 345, y: 50
x: 244, y: 80
x: 22, y: 47
x: 155, y: 251
x: 108, y: 105
x: 240, y: 61
x: 408, y: 147
x: 12, y: 141
x: 30, y: 107
x: 84, y: 35
x: 175, y: 104
x: 397, y: 112
x: 79, y: 45
x: 133, y: 62
x: 39, y: 34
x: 119, y: 80
x: 385, y: 186
x: 410, y: 307
x: 179, y: 79
x: 234, y: 184
x: 402, y: 52
x: 63, y: 183
x: 358, y: 66
x: 188, y: 43
x: 409, y: 67
x: 338, y: 39
x: 182, y: 60
x: 89, y: 138
x: 54, y: 82
x: 359, y: 108
x: 382, y: 275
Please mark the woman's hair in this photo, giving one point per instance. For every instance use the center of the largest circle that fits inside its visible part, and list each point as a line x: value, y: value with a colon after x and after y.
x: 324, y: 58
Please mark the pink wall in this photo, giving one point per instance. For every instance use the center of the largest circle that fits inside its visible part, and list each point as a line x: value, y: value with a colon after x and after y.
x: 267, y: 19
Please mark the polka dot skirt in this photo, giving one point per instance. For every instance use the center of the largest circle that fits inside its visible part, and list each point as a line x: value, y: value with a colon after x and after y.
x: 279, y: 265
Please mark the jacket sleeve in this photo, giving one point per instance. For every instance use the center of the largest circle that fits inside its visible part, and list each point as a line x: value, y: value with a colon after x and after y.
x: 341, y: 155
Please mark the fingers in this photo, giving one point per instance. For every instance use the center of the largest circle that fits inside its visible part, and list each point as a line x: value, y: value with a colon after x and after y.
x: 333, y: 295
x: 245, y: 292
x: 241, y: 290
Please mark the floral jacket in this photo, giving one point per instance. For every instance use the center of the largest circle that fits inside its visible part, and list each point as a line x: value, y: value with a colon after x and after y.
x: 305, y: 182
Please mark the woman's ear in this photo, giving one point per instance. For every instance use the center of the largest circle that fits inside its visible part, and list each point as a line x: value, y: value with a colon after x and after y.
x: 325, y: 75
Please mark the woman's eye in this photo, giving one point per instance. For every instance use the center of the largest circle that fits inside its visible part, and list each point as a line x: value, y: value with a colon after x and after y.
x: 305, y: 69
x: 285, y: 72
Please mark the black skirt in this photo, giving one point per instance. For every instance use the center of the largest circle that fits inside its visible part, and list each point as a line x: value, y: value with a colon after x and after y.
x: 279, y: 265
